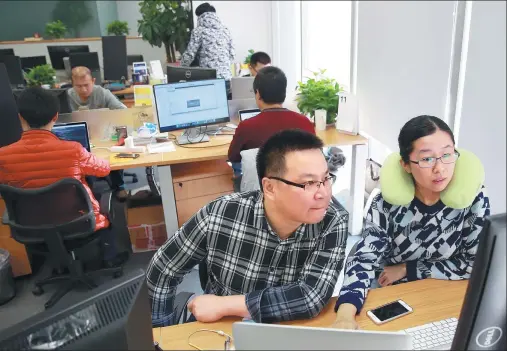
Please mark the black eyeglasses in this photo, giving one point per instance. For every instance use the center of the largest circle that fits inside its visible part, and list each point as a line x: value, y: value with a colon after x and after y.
x: 430, y: 162
x: 312, y: 185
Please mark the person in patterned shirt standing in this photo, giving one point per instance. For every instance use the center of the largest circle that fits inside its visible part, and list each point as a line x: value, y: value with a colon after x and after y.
x: 425, y: 239
x: 272, y: 255
x: 210, y: 43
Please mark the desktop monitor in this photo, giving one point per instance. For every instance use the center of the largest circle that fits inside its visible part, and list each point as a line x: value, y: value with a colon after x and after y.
x: 483, y: 318
x: 30, y: 62
x: 86, y: 59
x: 61, y: 94
x: 134, y: 58
x: 246, y: 114
x: 114, y: 57
x: 57, y: 53
x: 73, y: 131
x: 14, y: 71
x: 186, y: 105
x: 179, y: 74
x: 6, y: 52
x: 114, y: 316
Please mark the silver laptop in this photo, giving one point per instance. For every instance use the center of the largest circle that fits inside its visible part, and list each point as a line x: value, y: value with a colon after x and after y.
x: 249, y: 113
x: 242, y: 88
x: 258, y: 336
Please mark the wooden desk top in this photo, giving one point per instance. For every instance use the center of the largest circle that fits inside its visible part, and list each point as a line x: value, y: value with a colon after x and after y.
x: 129, y: 90
x: 216, y: 148
x: 431, y: 299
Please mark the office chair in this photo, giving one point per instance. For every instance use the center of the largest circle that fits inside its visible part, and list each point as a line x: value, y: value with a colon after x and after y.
x: 57, y: 221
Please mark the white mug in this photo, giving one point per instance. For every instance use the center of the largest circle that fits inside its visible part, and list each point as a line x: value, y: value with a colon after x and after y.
x: 320, y: 119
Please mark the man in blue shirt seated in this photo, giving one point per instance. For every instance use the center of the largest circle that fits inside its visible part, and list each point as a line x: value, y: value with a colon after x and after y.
x: 272, y: 254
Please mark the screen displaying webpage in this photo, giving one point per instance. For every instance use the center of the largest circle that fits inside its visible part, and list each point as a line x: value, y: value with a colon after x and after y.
x: 246, y: 115
x: 191, y: 104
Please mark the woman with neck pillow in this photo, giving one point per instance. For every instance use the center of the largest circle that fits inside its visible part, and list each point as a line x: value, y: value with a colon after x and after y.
x: 411, y: 231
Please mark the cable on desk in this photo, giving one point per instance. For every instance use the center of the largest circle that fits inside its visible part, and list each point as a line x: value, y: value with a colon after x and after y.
x: 227, y: 343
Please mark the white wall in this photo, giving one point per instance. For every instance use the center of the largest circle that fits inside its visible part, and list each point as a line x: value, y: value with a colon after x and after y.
x: 287, y: 43
x: 482, y: 122
x: 129, y: 11
x: 403, y: 63
x: 249, y: 23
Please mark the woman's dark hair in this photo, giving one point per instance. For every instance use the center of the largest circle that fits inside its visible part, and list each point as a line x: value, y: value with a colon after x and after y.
x: 203, y: 8
x: 419, y: 127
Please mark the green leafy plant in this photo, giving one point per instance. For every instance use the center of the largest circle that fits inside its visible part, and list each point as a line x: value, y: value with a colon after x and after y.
x: 40, y: 75
x: 118, y: 28
x: 75, y: 15
x: 319, y: 93
x: 249, y: 56
x: 166, y: 22
x: 56, y: 29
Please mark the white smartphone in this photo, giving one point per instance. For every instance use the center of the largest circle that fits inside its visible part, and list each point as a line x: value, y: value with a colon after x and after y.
x: 389, y: 311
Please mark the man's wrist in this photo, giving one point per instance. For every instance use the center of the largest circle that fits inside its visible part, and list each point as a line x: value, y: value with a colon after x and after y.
x: 234, y: 305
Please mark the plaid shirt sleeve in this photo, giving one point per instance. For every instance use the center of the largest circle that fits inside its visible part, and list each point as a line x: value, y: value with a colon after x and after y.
x: 172, y: 261
x: 307, y: 297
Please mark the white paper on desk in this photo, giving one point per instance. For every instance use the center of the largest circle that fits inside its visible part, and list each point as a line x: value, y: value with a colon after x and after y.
x: 347, y: 120
x: 157, y: 148
x: 156, y: 69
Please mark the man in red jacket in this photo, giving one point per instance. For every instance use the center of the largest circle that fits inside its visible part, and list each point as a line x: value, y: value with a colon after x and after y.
x: 270, y: 87
x: 39, y: 158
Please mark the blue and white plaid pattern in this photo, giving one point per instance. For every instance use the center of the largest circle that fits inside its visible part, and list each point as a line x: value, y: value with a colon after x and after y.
x: 434, y: 241
x: 282, y: 279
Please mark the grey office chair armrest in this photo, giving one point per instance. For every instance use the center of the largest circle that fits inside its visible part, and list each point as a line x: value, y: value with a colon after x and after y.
x: 5, y: 218
x: 106, y: 207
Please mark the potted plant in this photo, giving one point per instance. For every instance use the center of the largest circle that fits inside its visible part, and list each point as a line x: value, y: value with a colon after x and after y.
x: 318, y: 93
x: 166, y: 22
x: 118, y: 28
x: 41, y: 75
x: 56, y: 29
x: 249, y: 56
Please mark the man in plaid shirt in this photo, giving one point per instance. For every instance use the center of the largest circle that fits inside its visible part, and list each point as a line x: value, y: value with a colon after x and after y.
x: 272, y: 255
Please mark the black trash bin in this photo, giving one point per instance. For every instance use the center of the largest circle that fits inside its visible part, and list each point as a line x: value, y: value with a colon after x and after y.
x: 7, y: 286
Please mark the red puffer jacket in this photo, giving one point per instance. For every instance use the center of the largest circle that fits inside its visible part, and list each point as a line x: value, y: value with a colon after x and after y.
x: 39, y: 158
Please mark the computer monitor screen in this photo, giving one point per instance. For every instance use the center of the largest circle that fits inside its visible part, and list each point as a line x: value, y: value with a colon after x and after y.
x: 5, y: 52
x: 134, y: 58
x: 246, y: 114
x: 63, y: 98
x: 191, y: 104
x: 482, y: 322
x: 14, y: 71
x: 75, y: 131
x: 57, y: 53
x: 114, y: 316
x: 86, y: 59
x: 187, y: 74
x: 28, y: 63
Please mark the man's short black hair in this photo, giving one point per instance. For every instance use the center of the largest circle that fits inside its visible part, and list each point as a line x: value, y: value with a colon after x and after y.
x: 203, y: 8
x: 259, y: 57
x: 271, y: 83
x: 271, y: 155
x: 38, y: 106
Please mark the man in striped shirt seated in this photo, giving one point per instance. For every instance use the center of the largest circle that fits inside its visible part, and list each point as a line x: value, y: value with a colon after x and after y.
x: 273, y: 254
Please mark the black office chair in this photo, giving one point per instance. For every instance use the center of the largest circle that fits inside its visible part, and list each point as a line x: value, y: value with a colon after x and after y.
x: 57, y: 221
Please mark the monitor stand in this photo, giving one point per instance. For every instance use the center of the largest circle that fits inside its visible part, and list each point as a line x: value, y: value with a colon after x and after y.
x: 193, y: 136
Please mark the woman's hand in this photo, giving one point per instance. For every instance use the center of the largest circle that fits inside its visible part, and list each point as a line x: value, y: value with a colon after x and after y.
x: 345, y: 317
x: 392, y: 274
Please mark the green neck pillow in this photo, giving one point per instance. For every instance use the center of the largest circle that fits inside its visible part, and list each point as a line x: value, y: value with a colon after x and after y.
x: 397, y: 186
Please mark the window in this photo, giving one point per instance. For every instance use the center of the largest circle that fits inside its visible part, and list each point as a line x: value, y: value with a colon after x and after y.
x: 326, y: 41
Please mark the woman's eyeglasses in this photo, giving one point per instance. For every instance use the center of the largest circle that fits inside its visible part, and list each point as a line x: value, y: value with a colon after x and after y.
x: 430, y: 162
